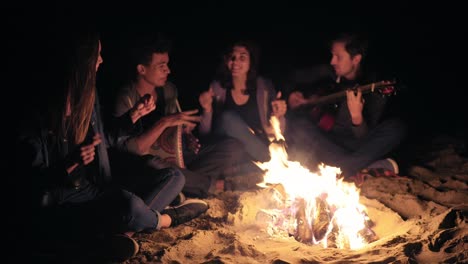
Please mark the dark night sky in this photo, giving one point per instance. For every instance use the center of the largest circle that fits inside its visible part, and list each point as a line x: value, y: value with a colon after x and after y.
x: 422, y: 45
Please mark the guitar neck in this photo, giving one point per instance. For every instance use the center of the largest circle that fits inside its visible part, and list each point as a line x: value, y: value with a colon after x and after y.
x: 364, y: 89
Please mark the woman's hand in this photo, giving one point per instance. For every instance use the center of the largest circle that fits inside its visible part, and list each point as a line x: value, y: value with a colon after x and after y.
x: 278, y: 106
x: 206, y: 100
x: 84, y: 154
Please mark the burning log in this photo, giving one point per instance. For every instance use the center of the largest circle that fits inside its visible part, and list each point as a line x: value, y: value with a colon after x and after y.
x: 318, y: 228
x: 321, y: 220
x: 323, y: 227
x: 303, y: 229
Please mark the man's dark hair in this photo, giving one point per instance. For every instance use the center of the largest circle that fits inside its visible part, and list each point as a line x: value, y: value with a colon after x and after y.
x: 142, y: 52
x: 354, y: 43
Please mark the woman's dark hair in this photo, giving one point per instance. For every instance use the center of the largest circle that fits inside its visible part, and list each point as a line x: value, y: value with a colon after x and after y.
x: 223, y: 74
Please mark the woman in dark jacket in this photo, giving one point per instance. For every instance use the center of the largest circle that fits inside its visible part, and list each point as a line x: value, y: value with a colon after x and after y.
x: 74, y: 198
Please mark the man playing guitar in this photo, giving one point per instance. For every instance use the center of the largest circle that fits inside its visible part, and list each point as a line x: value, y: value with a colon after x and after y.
x: 355, y: 136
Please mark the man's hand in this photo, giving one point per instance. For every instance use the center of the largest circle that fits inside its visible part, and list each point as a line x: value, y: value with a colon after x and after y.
x: 355, y: 105
x: 187, y: 118
x: 296, y: 99
x: 189, y: 128
x: 144, y: 106
x: 193, y: 144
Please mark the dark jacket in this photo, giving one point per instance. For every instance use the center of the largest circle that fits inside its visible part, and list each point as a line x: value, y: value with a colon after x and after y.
x: 41, y: 157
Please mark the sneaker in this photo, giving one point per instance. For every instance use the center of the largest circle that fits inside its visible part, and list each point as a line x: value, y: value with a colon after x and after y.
x: 388, y: 164
x: 180, y: 198
x: 188, y: 210
x: 380, y: 168
x: 115, y: 248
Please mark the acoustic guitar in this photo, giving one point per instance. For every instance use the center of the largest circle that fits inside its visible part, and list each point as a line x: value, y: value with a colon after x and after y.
x: 326, y: 119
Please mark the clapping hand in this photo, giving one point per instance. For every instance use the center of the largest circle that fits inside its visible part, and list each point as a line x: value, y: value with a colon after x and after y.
x: 279, y: 106
x: 206, y: 100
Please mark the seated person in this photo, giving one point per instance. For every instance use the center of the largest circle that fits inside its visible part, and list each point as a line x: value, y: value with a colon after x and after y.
x: 151, y: 95
x: 76, y: 206
x: 351, y: 132
x: 239, y: 104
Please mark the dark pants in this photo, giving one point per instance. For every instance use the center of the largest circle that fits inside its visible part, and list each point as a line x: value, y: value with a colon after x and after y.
x: 311, y: 145
x: 232, y: 125
x: 215, y: 159
x: 113, y: 210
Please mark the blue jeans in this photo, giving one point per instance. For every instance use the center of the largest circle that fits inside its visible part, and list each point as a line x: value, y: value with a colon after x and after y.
x: 311, y: 145
x: 158, y: 189
x: 143, y: 175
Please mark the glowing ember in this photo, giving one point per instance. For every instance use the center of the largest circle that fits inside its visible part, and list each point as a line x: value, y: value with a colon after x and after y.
x: 317, y: 207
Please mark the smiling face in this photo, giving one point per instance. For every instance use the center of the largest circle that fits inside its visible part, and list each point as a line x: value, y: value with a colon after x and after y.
x: 239, y: 61
x: 156, y: 71
x: 343, y: 63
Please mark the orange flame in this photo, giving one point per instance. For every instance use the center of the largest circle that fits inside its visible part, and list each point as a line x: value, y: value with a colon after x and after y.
x: 345, y: 216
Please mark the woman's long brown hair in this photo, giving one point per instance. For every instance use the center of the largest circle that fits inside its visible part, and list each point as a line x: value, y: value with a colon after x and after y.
x: 81, y: 53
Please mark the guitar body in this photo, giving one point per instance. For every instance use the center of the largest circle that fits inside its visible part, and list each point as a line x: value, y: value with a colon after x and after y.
x: 324, y: 115
x: 326, y: 122
x: 324, y: 118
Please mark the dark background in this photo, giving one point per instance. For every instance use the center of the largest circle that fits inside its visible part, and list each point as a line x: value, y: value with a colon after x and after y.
x: 423, y: 46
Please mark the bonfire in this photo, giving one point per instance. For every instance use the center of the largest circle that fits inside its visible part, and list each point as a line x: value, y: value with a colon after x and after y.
x: 314, y: 207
